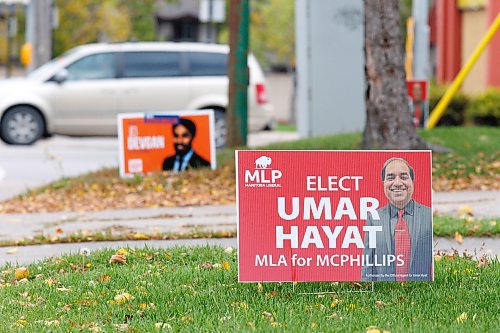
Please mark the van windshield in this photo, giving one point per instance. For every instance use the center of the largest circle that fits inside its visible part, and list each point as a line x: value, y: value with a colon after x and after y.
x: 48, y: 68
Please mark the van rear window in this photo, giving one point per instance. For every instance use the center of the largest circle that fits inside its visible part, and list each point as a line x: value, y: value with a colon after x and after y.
x: 151, y: 64
x: 207, y: 63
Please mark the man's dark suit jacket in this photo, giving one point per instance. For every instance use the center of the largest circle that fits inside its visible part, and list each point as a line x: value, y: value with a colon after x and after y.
x: 196, y: 161
x: 419, y: 220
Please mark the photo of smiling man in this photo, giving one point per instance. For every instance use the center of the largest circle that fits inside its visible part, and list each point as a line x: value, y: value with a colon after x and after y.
x: 185, y: 157
x: 406, y: 234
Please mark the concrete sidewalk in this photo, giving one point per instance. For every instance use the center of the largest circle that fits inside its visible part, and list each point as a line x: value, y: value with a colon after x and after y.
x: 185, y: 219
x: 201, y: 218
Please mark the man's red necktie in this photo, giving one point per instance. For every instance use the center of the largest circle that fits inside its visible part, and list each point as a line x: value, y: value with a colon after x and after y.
x: 402, y: 244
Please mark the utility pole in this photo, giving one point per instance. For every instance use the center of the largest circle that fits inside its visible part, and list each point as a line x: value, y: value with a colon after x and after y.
x: 39, y: 31
x: 238, y: 73
x: 421, y: 62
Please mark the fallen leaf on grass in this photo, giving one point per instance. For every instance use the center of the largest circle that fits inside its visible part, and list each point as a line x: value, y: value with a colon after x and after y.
x: 104, y: 278
x: 12, y: 251
x: 267, y: 316
x: 62, y: 288
x: 462, y: 318
x: 123, y: 298
x: 50, y: 281
x: 206, y: 265
x: 379, y: 304
x: 165, y: 326
x: 260, y: 288
x: 122, y: 252
x: 117, y: 259
x: 225, y: 265
x: 335, y: 303
x: 140, y: 236
x: 21, y: 273
x: 458, y: 237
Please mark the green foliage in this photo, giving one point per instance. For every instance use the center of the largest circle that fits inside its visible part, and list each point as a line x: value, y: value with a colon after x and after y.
x: 455, y: 112
x: 272, y: 36
x: 485, y: 109
x: 89, y: 21
x: 141, y: 18
x: 196, y: 290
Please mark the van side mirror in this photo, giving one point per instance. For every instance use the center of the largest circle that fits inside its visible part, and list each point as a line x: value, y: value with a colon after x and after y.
x: 60, y: 76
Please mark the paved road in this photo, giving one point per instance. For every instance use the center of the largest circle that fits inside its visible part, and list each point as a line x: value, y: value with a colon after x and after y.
x: 23, y: 168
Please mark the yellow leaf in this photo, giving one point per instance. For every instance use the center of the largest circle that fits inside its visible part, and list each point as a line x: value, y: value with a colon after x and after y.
x: 123, y: 298
x: 122, y: 252
x: 437, y: 257
x: 62, y: 288
x: 140, y: 236
x: 335, y: 303
x: 143, y: 306
x: 372, y: 329
x: 462, y: 317
x: 465, y: 210
x: 379, y: 304
x: 22, y: 273
x: 314, y: 325
x: 225, y: 265
x: 104, y: 278
x: 458, y: 237
x: 50, y: 281
x: 21, y: 322
x: 259, y: 287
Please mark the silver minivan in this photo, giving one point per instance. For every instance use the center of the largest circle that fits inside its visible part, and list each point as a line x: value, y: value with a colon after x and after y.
x: 81, y: 92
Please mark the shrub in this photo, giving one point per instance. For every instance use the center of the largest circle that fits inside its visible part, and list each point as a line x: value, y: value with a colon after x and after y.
x: 485, y: 109
x: 454, y: 114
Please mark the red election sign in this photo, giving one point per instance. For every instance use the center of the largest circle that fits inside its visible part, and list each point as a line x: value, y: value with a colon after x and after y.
x: 334, y: 216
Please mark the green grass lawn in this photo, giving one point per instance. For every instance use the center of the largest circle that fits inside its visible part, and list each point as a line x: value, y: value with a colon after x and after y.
x: 196, y: 290
x: 475, y: 149
x: 447, y: 226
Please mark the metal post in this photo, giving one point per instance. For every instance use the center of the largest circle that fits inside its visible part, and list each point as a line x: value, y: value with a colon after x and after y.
x: 421, y: 62
x: 448, y: 95
x: 238, y: 73
x: 210, y: 26
x: 421, y: 52
x: 39, y: 13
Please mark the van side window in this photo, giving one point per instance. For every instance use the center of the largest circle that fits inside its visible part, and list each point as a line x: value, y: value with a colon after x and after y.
x: 151, y: 64
x: 207, y: 63
x: 93, y: 67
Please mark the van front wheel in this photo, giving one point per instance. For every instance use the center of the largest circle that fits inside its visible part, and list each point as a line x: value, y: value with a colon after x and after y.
x: 22, y: 125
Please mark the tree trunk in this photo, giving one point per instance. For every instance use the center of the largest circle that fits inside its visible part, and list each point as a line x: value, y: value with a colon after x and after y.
x: 389, y: 123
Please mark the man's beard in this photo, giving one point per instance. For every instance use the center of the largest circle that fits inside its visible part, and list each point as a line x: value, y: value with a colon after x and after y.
x: 183, y: 149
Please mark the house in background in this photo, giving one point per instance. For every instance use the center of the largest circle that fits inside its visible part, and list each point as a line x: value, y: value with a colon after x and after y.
x: 457, y: 27
x: 190, y: 20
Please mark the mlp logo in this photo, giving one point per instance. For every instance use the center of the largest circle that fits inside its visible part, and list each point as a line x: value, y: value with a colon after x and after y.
x: 262, y: 175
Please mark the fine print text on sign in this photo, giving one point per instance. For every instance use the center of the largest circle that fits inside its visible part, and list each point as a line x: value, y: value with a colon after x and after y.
x: 166, y: 141
x: 334, y: 216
